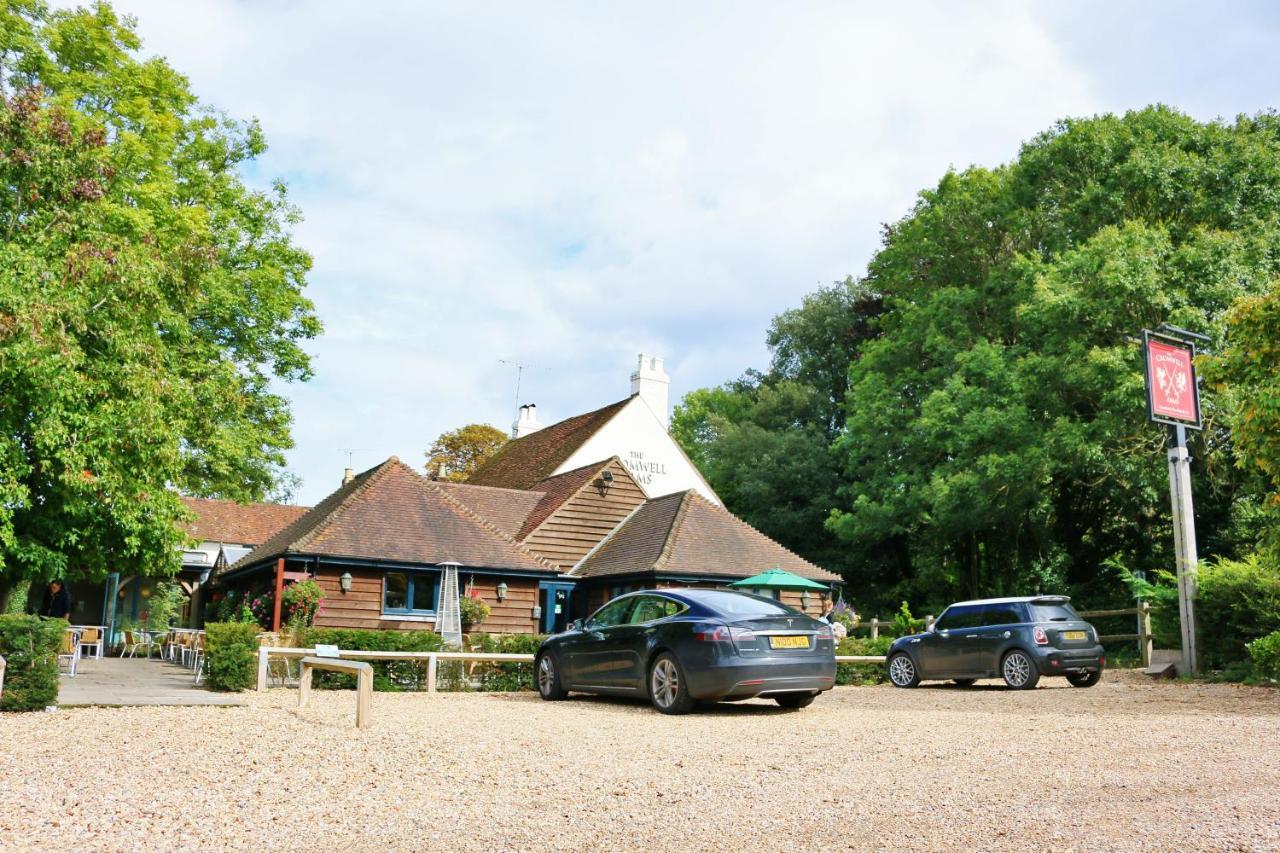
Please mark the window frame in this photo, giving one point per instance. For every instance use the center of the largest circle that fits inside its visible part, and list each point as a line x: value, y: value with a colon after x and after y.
x: 412, y: 577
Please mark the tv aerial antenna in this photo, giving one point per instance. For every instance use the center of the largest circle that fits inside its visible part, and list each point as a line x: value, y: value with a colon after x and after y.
x: 351, y: 454
x: 520, y: 369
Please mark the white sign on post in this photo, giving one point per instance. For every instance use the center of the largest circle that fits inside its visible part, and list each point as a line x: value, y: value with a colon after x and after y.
x: 327, y: 651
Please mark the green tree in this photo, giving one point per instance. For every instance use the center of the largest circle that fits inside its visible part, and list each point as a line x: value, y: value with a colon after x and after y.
x: 996, y: 428
x: 456, y: 454
x: 148, y: 298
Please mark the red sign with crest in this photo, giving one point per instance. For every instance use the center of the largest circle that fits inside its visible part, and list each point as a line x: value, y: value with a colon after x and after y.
x: 1172, y: 395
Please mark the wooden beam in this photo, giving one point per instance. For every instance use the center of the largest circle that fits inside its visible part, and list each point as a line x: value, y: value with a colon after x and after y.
x: 275, y: 617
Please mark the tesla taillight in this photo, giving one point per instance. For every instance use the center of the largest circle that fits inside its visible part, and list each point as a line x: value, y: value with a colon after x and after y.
x: 717, y: 634
x: 825, y: 633
x: 1042, y: 639
x: 742, y: 635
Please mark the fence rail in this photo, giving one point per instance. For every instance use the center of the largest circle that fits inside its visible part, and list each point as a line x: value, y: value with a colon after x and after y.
x: 1143, y: 635
x: 431, y: 658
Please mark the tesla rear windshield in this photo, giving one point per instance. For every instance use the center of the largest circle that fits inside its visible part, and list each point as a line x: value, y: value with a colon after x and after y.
x: 735, y: 604
x: 1053, y: 613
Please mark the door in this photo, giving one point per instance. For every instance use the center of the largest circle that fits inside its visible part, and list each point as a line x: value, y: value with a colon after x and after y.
x: 556, y: 598
x: 942, y: 652
x: 598, y: 655
x: 984, y: 642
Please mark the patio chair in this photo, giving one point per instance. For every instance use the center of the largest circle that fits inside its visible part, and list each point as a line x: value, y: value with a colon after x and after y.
x: 134, y: 640
x: 91, y: 639
x: 70, y: 651
x: 197, y: 654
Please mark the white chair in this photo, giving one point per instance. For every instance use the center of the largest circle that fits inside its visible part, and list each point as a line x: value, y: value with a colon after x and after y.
x: 70, y: 653
x: 91, y: 641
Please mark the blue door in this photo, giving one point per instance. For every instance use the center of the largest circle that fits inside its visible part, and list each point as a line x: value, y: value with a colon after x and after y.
x: 555, y: 599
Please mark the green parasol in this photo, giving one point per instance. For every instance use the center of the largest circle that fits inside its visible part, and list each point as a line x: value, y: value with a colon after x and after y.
x: 777, y: 579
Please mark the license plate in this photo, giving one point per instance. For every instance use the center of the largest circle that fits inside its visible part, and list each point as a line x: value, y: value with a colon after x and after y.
x: 1073, y: 635
x: 795, y: 642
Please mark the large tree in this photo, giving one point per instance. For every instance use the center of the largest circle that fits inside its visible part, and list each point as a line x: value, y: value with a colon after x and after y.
x: 456, y: 454
x: 148, y: 298
x: 997, y: 427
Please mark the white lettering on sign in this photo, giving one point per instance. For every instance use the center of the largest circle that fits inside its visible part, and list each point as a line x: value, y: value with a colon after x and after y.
x: 642, y: 469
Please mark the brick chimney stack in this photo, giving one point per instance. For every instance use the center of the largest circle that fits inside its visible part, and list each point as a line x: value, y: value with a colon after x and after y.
x: 347, y: 475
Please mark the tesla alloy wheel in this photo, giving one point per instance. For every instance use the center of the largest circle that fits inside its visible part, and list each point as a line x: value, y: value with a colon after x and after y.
x: 902, y: 671
x: 548, y: 677
x: 667, y: 688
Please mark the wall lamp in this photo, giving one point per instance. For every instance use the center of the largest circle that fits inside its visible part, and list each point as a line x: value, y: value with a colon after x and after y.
x: 344, y: 582
x: 502, y: 591
x: 804, y: 599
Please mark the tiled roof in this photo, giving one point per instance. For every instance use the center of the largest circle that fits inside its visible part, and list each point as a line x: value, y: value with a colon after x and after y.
x: 241, y: 524
x: 392, y: 513
x: 558, y: 489
x: 525, y: 462
x: 506, y: 509
x: 685, y: 534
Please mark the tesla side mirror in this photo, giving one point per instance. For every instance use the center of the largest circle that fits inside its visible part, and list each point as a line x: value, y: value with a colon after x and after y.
x: 575, y: 625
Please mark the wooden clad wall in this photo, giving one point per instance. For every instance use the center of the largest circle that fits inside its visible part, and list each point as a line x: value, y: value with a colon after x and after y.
x: 818, y: 602
x: 362, y: 606
x: 581, y: 522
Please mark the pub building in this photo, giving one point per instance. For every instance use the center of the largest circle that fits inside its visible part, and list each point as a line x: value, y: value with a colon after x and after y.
x: 559, y: 520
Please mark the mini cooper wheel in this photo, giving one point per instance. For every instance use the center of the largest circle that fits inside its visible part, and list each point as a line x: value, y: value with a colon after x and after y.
x: 794, y: 700
x: 547, y: 675
x: 902, y: 671
x: 1019, y: 670
x: 1084, y: 679
x: 668, y: 690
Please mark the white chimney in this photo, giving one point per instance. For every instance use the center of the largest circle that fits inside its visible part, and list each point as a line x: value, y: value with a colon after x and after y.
x: 527, y: 422
x: 650, y: 381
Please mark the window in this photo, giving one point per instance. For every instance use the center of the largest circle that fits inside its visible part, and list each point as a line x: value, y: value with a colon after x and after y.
x: 1001, y: 614
x: 963, y: 616
x: 409, y: 592
x: 613, y: 613
x: 651, y: 607
x: 733, y: 604
x: 1054, y: 613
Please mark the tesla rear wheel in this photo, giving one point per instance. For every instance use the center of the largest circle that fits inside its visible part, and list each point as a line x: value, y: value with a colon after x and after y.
x: 1084, y: 679
x: 1019, y: 670
x: 902, y: 671
x: 548, y: 676
x: 667, y: 687
x: 795, y: 700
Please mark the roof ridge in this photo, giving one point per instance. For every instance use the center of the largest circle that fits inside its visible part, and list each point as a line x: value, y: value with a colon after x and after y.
x: 234, y: 502
x: 449, y: 484
x: 369, y: 476
x: 599, y: 464
x: 674, y: 530
x: 761, y: 533
x: 471, y: 515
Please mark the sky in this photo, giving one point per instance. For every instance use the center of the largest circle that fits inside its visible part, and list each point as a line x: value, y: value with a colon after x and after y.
x: 566, y: 185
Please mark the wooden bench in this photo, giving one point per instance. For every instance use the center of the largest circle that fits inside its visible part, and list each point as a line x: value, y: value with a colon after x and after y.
x: 364, y: 683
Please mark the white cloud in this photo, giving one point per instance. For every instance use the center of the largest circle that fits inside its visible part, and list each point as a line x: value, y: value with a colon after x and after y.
x: 570, y: 184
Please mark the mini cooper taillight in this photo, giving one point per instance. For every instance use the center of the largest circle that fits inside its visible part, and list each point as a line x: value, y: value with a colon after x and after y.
x: 1041, y: 638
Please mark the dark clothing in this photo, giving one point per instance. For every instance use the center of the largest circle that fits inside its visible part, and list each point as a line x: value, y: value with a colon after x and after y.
x: 57, y: 605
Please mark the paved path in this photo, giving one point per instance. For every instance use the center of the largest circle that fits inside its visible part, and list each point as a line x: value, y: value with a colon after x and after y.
x: 135, y: 681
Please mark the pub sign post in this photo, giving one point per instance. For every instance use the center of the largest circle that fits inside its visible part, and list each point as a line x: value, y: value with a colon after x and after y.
x: 1173, y: 398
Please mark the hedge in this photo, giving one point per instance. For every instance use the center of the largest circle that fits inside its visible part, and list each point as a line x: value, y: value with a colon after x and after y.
x: 231, y: 655
x: 1265, y: 655
x: 30, y: 646
x: 387, y: 675
x: 505, y: 677
x: 862, y: 673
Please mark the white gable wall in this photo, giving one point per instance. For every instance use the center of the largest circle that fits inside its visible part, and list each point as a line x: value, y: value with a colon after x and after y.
x: 638, y: 438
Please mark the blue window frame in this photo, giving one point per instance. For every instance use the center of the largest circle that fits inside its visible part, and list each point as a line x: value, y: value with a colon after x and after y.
x: 413, y: 593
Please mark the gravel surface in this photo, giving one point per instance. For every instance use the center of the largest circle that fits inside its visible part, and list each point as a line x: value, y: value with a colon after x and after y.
x: 1126, y: 765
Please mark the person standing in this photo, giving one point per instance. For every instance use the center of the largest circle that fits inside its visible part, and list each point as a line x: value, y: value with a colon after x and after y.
x: 57, y: 601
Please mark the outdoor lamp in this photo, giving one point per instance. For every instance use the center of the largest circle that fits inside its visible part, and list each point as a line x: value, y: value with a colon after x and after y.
x: 502, y: 591
x: 204, y: 576
x: 344, y: 582
x: 804, y: 599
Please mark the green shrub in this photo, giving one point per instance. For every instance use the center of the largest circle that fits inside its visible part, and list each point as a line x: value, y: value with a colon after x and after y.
x: 387, y: 675
x: 300, y: 602
x: 505, y: 677
x: 231, y: 655
x: 1264, y: 652
x: 862, y: 673
x: 30, y: 647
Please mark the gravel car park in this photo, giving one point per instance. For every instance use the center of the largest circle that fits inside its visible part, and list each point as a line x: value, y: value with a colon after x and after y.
x: 1128, y: 764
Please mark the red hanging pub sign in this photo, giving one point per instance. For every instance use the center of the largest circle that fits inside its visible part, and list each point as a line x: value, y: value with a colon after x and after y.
x: 1172, y: 394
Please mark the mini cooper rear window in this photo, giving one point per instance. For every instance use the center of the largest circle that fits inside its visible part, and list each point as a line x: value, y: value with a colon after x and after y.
x: 1054, y: 613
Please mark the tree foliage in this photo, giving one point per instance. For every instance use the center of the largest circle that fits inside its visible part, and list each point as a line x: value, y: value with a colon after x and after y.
x: 455, y: 455
x: 148, y: 298
x: 993, y: 436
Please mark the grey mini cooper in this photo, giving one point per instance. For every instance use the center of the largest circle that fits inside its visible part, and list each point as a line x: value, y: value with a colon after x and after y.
x: 1017, y: 639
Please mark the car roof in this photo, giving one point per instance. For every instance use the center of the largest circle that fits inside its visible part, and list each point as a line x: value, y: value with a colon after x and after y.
x: 1020, y: 599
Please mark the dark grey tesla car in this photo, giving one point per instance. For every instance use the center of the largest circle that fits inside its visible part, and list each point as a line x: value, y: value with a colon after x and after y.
x: 1017, y: 639
x: 682, y: 647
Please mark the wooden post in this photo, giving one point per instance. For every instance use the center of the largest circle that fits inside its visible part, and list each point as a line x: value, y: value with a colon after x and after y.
x: 431, y: 674
x: 304, y: 687
x: 262, y: 668
x: 1145, y: 641
x: 364, y: 696
x: 875, y: 628
x: 275, y: 617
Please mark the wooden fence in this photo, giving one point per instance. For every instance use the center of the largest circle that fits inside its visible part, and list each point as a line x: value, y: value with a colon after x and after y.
x: 1142, y: 613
